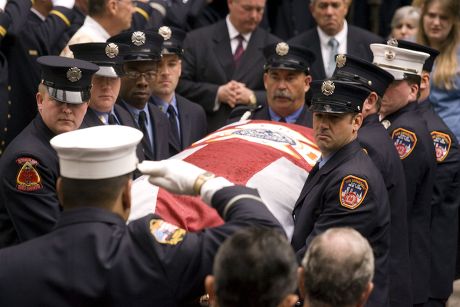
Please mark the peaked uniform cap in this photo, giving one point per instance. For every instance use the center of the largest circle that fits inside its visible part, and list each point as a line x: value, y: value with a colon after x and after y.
x: 291, y: 57
x: 353, y: 69
x: 97, y: 152
x: 399, y: 62
x: 68, y: 80
x: 335, y: 96
x: 106, y: 55
x: 143, y: 45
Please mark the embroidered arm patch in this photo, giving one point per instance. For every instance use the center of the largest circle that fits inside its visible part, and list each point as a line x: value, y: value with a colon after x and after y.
x: 166, y: 233
x: 442, y: 144
x: 28, y: 179
x: 353, y: 190
x: 404, y: 141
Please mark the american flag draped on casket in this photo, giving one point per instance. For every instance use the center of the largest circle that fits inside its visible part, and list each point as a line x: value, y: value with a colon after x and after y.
x: 273, y: 157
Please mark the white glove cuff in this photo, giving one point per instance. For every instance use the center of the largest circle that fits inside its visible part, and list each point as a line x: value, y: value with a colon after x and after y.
x: 212, y: 186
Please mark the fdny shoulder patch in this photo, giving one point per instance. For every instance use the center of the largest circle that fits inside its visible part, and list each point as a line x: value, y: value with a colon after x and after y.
x: 353, y: 190
x: 442, y: 144
x: 28, y: 179
x: 166, y: 233
x: 404, y: 141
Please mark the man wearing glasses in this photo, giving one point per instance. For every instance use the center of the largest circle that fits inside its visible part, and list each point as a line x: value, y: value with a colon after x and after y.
x: 140, y: 65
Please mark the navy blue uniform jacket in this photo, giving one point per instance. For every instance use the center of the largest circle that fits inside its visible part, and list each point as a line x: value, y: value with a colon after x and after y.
x: 415, y: 147
x: 336, y: 196
x: 375, y: 140
x: 93, y: 259
x: 29, y: 206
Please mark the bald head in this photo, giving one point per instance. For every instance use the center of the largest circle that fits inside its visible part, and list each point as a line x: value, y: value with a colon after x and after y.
x: 338, y: 268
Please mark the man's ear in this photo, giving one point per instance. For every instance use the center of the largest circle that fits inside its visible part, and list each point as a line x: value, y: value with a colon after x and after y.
x: 58, y: 190
x: 289, y: 301
x: 365, y: 295
x: 425, y: 82
x: 414, y: 88
x: 307, y: 83
x: 209, y: 287
x: 111, y: 7
x: 301, y: 281
x: 126, y: 198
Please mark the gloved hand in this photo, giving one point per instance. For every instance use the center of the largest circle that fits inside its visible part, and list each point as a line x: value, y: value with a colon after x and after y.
x: 174, y: 175
x: 65, y: 3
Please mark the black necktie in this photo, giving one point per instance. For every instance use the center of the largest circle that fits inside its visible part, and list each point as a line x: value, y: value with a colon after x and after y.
x: 143, y: 125
x: 282, y: 120
x: 112, y: 119
x: 173, y: 123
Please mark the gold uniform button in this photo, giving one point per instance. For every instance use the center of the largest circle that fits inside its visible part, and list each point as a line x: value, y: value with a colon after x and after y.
x: 3, y: 143
x: 6, y: 129
x: 9, y: 87
x: 9, y: 116
x: 9, y: 102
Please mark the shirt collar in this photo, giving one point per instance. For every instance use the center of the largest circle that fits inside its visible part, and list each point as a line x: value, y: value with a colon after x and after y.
x: 43, y: 18
x: 341, y: 37
x: 94, y: 24
x: 233, y: 32
x: 163, y: 105
x: 291, y: 118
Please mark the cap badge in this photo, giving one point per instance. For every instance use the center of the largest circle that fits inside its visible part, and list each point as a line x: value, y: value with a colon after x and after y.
x: 341, y: 60
x: 328, y: 87
x: 392, y: 42
x: 111, y: 50
x: 165, y: 32
x: 138, y: 38
x: 327, y: 108
x: 390, y: 55
x: 386, y: 123
x: 74, y: 74
x: 282, y: 49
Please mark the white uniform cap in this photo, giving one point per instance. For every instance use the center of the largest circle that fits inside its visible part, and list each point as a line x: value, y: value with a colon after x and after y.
x: 98, y: 152
x: 398, y: 61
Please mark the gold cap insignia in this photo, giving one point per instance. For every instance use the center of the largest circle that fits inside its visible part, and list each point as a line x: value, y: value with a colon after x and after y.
x: 282, y: 49
x: 138, y: 38
x: 111, y: 50
x: 74, y: 74
x: 369, y: 82
x: 165, y: 32
x: 390, y: 55
x: 392, y: 42
x: 341, y: 60
x: 328, y: 87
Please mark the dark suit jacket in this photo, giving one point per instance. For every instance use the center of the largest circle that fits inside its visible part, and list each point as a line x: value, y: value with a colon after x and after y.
x: 192, y: 119
x: 358, y: 41
x: 261, y: 112
x: 322, y: 204
x: 160, y: 127
x: 373, y: 137
x: 208, y: 64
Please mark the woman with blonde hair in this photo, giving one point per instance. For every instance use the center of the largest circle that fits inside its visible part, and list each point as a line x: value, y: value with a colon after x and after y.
x: 439, y: 28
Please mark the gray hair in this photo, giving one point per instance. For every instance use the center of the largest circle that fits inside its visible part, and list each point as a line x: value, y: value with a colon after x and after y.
x: 405, y: 12
x: 339, y: 264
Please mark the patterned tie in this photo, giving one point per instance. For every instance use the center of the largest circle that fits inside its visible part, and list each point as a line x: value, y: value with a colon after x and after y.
x: 239, y: 50
x: 113, y: 119
x: 142, y: 121
x: 173, y: 124
x: 334, y: 46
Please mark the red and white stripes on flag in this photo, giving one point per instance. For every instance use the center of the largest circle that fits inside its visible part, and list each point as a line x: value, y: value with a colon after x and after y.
x: 273, y: 157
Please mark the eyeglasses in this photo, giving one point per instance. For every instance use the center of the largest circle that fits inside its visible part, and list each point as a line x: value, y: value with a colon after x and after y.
x: 148, y: 75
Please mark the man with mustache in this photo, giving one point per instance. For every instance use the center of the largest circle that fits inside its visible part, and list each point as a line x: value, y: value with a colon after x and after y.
x: 286, y: 79
x: 29, y: 206
x: 344, y: 189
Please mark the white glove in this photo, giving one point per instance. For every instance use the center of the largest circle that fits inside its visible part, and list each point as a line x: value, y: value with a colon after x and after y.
x: 174, y: 175
x: 65, y: 3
